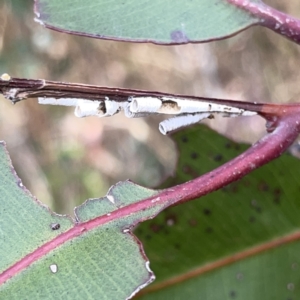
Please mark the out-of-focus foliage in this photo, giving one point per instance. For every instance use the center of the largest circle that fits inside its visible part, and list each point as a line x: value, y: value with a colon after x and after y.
x: 64, y: 160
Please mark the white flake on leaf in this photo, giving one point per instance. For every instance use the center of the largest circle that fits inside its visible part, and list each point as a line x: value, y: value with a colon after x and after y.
x: 53, y: 268
x: 111, y: 199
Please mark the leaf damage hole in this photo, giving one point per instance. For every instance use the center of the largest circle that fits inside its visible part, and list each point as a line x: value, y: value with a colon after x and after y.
x: 171, y: 220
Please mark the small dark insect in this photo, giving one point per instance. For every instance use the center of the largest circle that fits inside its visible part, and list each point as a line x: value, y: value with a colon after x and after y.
x: 55, y: 226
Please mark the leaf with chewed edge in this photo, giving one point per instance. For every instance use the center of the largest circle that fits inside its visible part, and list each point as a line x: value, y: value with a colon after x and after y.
x: 48, y: 256
x: 161, y: 22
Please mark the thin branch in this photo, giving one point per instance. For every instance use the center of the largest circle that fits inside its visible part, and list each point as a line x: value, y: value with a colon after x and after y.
x: 17, y: 89
x: 271, y: 18
x: 265, y: 150
x: 104, y: 102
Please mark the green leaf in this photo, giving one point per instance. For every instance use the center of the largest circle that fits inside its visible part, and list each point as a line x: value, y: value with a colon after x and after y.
x: 241, y: 242
x: 162, y: 22
x: 47, y: 256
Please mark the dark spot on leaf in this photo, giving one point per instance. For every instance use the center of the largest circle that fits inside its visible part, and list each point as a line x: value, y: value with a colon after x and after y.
x: 277, y: 194
x: 218, y: 157
x: 276, y: 200
x: 166, y: 232
x: 232, y: 294
x: 263, y: 186
x: 184, y: 139
x: 193, y: 222
x: 209, y: 230
x: 228, y: 145
x: 188, y: 170
x: 206, y: 211
x: 246, y: 182
x: 55, y: 226
x: 233, y: 188
x: 237, y: 147
x: 155, y: 227
x: 177, y: 246
x: 225, y: 189
x: 252, y: 219
x: 178, y: 36
x: 277, y: 191
x: 194, y: 155
x: 258, y: 209
x: 148, y: 237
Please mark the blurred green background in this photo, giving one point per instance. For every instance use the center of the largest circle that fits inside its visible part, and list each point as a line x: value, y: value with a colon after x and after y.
x: 64, y: 160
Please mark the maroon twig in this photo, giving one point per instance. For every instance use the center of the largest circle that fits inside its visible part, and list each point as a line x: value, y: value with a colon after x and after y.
x: 271, y: 18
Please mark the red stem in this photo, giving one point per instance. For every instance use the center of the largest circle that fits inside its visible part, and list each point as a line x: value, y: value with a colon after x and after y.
x: 268, y: 148
x: 271, y: 18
